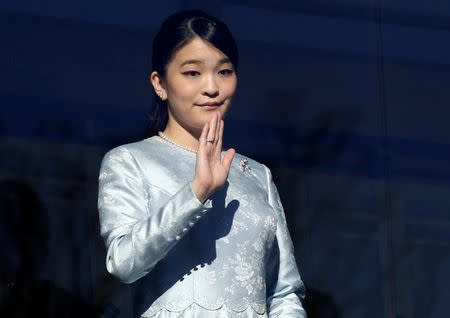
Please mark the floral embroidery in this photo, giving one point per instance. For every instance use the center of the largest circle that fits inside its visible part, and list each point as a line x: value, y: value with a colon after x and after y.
x: 258, y: 245
x: 115, y: 158
x: 108, y: 199
x: 233, y: 279
x: 103, y: 175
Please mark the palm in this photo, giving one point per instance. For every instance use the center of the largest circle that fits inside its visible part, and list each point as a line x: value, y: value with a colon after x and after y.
x: 211, y: 170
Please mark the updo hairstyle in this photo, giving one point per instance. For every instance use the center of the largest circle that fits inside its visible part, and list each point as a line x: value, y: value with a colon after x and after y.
x: 176, y: 31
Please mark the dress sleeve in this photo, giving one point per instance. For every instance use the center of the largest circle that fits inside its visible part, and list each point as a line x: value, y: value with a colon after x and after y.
x: 285, y: 288
x: 136, y: 238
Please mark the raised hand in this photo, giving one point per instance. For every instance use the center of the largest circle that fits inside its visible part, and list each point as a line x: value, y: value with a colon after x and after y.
x: 211, y: 170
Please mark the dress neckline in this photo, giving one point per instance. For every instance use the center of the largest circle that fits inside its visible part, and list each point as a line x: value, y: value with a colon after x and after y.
x: 173, y: 144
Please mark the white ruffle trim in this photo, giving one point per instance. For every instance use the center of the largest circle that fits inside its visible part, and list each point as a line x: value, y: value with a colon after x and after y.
x: 159, y: 311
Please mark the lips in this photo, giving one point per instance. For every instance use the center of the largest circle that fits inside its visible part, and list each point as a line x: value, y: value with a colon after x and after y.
x: 211, y: 104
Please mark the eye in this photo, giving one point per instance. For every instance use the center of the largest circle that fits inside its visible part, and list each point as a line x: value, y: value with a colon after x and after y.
x: 191, y: 73
x: 226, y: 72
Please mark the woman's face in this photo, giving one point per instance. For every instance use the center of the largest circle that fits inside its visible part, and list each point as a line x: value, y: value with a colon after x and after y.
x: 199, y: 80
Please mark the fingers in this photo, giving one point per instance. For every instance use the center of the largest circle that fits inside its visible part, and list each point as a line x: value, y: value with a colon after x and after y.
x: 211, y: 137
x: 219, y: 138
x: 203, y: 137
x: 229, y: 154
x: 218, y: 127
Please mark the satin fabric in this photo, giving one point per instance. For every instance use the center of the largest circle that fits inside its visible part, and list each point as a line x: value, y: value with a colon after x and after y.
x: 230, y: 256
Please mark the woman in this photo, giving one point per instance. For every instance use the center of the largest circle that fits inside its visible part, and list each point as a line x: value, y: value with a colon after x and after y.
x: 200, y: 232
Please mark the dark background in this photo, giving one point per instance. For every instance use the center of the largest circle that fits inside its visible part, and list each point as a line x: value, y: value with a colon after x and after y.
x: 347, y: 101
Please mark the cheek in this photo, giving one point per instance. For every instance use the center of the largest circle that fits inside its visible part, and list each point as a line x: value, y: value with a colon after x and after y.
x: 229, y: 87
x: 183, y: 90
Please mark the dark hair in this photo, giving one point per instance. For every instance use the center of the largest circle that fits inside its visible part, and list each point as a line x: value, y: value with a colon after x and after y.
x: 176, y: 31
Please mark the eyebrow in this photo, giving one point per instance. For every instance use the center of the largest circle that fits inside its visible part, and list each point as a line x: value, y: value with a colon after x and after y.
x: 225, y: 60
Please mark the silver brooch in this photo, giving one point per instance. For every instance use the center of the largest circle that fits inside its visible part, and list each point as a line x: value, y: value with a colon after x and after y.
x: 243, y: 165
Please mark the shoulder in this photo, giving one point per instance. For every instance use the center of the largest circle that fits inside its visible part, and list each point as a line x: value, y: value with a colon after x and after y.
x: 126, y: 156
x: 132, y: 150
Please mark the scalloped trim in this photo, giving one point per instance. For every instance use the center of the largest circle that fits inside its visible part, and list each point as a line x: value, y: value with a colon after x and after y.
x: 259, y: 309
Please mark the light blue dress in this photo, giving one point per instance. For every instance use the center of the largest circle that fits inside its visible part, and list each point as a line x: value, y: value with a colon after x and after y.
x: 231, y: 256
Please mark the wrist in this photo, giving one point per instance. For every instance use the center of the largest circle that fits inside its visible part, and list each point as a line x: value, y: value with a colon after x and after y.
x: 201, y: 192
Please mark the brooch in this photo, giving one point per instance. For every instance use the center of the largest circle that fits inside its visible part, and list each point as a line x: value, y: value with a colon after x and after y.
x: 243, y: 165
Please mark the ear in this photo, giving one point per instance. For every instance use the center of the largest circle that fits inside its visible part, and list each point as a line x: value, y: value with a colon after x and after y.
x: 158, y: 85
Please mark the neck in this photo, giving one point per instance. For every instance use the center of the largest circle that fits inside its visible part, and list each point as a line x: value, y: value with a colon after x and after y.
x: 181, y: 135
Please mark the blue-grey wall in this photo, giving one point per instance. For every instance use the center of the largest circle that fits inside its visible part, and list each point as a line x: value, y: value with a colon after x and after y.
x: 345, y: 100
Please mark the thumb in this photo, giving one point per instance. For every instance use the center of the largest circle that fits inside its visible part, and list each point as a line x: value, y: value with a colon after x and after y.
x: 228, y: 158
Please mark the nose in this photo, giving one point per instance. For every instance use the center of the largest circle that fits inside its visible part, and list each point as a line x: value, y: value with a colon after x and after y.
x: 210, y: 88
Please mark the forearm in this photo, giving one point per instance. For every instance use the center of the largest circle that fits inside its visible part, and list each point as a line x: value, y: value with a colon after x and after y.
x: 133, y: 254
x: 138, y: 223
x: 286, y: 305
